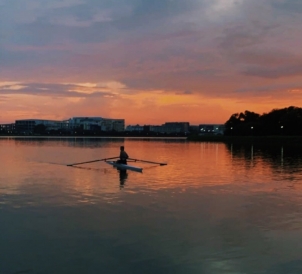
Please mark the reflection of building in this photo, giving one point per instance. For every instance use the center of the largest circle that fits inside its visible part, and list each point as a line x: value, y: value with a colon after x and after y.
x: 211, y: 129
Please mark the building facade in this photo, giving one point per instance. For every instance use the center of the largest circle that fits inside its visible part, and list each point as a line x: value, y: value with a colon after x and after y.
x: 176, y: 127
x: 168, y: 128
x: 96, y: 123
x: 28, y: 125
x: 211, y: 129
x: 7, y: 128
x: 135, y: 128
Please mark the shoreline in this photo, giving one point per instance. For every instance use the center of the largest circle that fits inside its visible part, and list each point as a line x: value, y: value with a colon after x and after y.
x: 265, y: 140
x: 87, y: 137
x: 249, y: 140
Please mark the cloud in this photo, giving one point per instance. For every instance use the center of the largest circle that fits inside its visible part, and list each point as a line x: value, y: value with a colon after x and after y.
x: 272, y: 89
x: 8, y: 84
x: 268, y: 63
x: 88, y: 51
x: 186, y: 92
x: 270, y: 72
x: 292, y: 6
x: 70, y: 90
x: 222, y: 9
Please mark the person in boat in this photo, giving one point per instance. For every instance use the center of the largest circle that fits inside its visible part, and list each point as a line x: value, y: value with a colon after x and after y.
x: 123, y: 156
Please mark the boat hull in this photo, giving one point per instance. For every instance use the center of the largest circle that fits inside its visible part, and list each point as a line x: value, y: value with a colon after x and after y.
x: 123, y: 166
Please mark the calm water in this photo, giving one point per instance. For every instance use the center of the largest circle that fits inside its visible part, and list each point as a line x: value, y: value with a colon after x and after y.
x: 213, y: 209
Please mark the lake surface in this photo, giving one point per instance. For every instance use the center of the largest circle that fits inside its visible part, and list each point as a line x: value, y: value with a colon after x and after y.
x: 215, y: 208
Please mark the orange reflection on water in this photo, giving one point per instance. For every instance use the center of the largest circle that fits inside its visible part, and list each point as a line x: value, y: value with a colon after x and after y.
x: 189, y: 165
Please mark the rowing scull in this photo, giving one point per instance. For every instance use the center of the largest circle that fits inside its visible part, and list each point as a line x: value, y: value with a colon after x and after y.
x: 123, y: 166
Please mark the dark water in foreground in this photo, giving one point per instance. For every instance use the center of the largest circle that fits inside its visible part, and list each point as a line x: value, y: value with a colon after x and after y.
x: 213, y: 209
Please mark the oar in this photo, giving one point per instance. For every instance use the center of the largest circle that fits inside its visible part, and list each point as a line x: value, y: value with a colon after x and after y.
x: 162, y: 164
x: 104, y: 159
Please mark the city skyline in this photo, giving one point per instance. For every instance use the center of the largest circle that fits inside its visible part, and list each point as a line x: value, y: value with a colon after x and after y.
x: 110, y: 118
x: 159, y: 61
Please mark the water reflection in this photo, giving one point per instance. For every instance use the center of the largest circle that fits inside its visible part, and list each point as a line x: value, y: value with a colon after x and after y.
x: 288, y: 157
x: 86, y: 141
x: 214, y: 208
x: 123, y: 177
x: 67, y: 141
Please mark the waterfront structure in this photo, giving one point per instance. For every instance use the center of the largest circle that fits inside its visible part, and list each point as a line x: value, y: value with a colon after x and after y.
x: 211, y: 129
x: 96, y: 123
x: 113, y: 124
x: 194, y: 129
x: 7, y: 128
x: 157, y: 129
x: 176, y: 127
x: 28, y: 125
x: 168, y: 127
x: 179, y: 127
x: 135, y: 128
x: 84, y: 123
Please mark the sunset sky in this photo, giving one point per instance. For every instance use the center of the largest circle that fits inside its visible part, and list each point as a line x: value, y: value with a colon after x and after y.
x: 149, y: 61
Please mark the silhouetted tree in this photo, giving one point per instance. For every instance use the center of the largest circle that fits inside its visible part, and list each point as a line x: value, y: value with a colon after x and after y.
x: 242, y: 123
x: 286, y: 121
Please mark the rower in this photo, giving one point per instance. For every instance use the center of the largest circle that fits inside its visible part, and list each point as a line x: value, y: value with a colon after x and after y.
x: 123, y: 156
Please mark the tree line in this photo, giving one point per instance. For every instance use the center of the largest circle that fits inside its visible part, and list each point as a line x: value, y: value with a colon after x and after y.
x: 286, y: 121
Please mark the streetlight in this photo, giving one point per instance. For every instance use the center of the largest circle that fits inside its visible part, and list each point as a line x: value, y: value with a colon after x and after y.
x: 252, y: 130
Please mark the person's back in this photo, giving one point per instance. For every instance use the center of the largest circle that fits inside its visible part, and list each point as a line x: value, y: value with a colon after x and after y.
x: 123, y: 156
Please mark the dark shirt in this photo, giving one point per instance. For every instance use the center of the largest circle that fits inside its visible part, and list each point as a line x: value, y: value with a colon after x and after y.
x: 124, y: 156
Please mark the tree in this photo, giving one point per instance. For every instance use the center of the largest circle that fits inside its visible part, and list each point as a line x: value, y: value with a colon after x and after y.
x: 287, y: 121
x: 242, y: 123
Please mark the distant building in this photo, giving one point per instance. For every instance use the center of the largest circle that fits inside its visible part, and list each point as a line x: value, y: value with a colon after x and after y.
x: 169, y: 127
x: 93, y: 123
x: 211, y: 129
x: 8, y: 128
x: 85, y: 123
x: 28, y: 125
x: 157, y: 129
x: 135, y: 128
x: 176, y: 127
x: 113, y: 125
x: 194, y: 129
